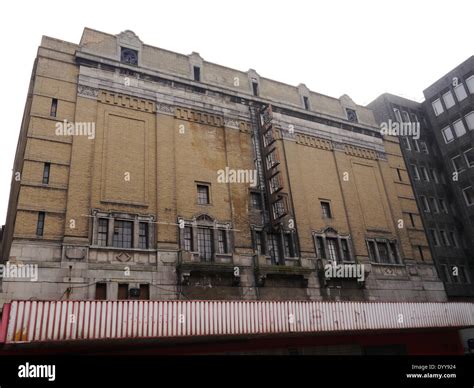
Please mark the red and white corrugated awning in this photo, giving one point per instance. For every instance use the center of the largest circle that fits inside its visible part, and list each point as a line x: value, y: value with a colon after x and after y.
x: 45, y: 321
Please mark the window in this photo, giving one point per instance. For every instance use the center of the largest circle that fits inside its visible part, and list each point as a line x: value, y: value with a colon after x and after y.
x: 372, y: 250
x: 460, y: 92
x: 273, y: 248
x: 414, y: 118
x: 102, y: 231
x: 470, y: 120
x: 143, y: 235
x: 333, y: 253
x: 434, y: 174
x: 54, y: 107
x: 420, y: 251
x: 101, y: 291
x: 259, y: 246
x: 46, y: 171
x: 406, y: 143
x: 346, y: 255
x: 437, y: 107
x: 444, y: 238
x: 326, y: 209
x: 406, y: 117
x: 144, y: 292
x: 447, y: 134
x: 412, y: 219
x: 255, y: 88
x: 457, y: 163
x: 424, y: 147
x: 416, y: 174
x: 424, y: 204
x: 383, y: 252
x: 469, y: 156
x: 399, y: 175
x: 40, y: 224
x: 351, y: 115
x: 197, y: 73
x: 129, y: 56
x: 470, y: 84
x: 442, y: 204
x: 434, y: 237
x: 289, y: 245
x: 188, y: 238
x: 306, y: 102
x: 393, y: 252
x: 448, y: 99
x: 123, y: 234
x: 255, y: 200
x: 271, y: 159
x: 434, y: 205
x: 320, y: 251
x: 205, y: 244
x: 463, y: 277
x: 424, y: 174
x: 454, y: 239
x: 222, y: 241
x: 122, y: 292
x: 398, y: 117
x: 416, y: 145
x: 459, y: 128
x: 468, y: 194
x: 203, y: 194
x: 444, y: 274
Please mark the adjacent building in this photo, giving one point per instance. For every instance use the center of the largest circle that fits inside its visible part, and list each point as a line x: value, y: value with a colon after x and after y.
x: 439, y: 158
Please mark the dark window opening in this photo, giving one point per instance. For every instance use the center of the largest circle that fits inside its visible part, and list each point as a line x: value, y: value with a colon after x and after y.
x: 256, y: 201
x: 102, y: 231
x: 222, y: 241
x: 351, y: 115
x: 203, y: 194
x: 383, y: 253
x: 326, y: 209
x: 197, y: 73
x: 188, y: 238
x: 412, y: 219
x: 255, y: 88
x: 320, y: 248
x: 123, y: 234
x: 40, y: 224
x: 205, y: 244
x: 54, y: 107
x: 129, y: 56
x: 46, y: 171
x: 333, y: 252
x: 122, y: 291
x: 306, y: 102
x: 101, y: 291
x: 143, y: 235
x: 144, y: 292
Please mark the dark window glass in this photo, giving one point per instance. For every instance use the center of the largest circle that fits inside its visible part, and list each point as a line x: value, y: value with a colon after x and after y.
x: 333, y: 251
x: 351, y: 115
x: 54, y: 107
x: 203, y: 194
x: 197, y: 73
x: 46, y: 171
x: 259, y: 243
x: 123, y: 234
x: 289, y: 245
x: 102, y: 231
x: 273, y: 248
x: 256, y: 201
x: 320, y: 248
x: 326, y: 209
x: 383, y: 252
x: 143, y: 235
x: 40, y: 224
x: 306, y: 102
x: 222, y: 241
x: 205, y: 244
x: 129, y: 56
x: 188, y: 238
x: 255, y: 88
x: 393, y: 251
x: 372, y: 251
x: 345, y: 250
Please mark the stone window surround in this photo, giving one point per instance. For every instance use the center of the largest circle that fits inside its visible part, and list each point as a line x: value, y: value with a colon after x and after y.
x: 331, y: 233
x: 292, y: 233
x: 206, y: 221
x: 387, y: 241
x: 114, y: 215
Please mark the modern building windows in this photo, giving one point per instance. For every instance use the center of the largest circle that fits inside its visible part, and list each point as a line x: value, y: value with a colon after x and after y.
x: 447, y: 134
x: 424, y: 173
x: 448, y: 99
x: 416, y: 174
x: 470, y: 120
x: 203, y: 197
x: 434, y: 205
x: 424, y: 204
x: 123, y: 234
x: 434, y: 174
x: 444, y: 238
x: 468, y: 194
x: 454, y: 239
x: 326, y: 209
x: 398, y: 116
x: 470, y: 84
x: 469, y: 156
x: 46, y: 173
x: 40, y: 224
x: 459, y: 128
x: 416, y: 146
x: 54, y: 107
x: 437, y: 107
x: 460, y: 92
x: 434, y: 237
x: 406, y: 143
x: 457, y: 163
x: 443, y: 206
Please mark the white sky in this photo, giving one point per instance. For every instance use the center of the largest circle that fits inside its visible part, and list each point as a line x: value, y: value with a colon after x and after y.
x: 361, y: 48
